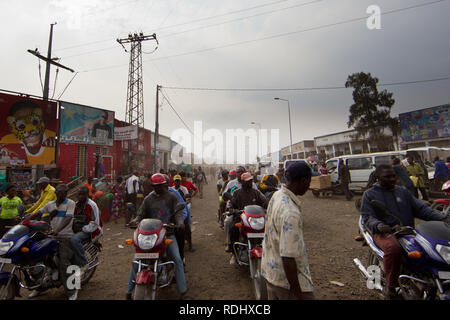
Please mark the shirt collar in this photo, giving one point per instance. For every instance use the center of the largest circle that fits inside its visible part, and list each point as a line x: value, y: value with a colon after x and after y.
x: 291, y: 195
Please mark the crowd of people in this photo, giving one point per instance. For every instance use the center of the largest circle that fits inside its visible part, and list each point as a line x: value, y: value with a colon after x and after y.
x: 284, y: 261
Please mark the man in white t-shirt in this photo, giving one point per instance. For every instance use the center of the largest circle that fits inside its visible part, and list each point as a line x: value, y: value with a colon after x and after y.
x: 61, y: 213
x: 132, y: 187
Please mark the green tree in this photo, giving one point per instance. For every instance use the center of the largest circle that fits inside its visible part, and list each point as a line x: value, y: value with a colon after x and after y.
x: 370, y: 113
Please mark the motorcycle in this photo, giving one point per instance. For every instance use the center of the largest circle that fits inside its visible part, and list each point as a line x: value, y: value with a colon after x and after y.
x: 443, y: 204
x: 248, y: 250
x: 425, y: 272
x: 154, y: 269
x: 33, y: 255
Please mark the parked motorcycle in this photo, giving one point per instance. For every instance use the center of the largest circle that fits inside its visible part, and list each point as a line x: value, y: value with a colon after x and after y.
x: 425, y: 272
x: 33, y: 255
x: 248, y: 250
x: 443, y: 204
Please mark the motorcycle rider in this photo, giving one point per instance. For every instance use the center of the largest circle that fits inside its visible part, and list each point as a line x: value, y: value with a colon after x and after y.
x: 160, y: 204
x: 179, y: 233
x: 269, y: 183
x: 86, y: 225
x: 61, y: 213
x: 405, y: 207
x: 245, y: 196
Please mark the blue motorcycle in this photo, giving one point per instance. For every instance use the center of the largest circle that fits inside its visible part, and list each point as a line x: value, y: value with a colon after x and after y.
x: 425, y: 272
x: 31, y: 256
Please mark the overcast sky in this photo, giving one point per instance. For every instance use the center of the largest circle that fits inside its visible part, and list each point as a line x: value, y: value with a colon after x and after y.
x: 412, y: 45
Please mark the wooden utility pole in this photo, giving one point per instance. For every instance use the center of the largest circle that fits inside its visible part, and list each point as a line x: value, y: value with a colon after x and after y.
x: 156, y: 142
x: 49, y: 61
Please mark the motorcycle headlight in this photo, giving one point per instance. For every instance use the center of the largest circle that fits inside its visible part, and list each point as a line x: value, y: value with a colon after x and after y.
x: 444, y: 251
x: 146, y: 242
x: 256, y: 223
x: 5, y: 246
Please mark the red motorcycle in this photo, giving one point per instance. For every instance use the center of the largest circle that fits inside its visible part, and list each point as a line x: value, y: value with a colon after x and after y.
x: 442, y: 204
x: 248, y: 250
x: 154, y: 269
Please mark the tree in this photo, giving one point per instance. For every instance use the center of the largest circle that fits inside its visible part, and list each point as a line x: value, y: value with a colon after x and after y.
x: 371, y: 112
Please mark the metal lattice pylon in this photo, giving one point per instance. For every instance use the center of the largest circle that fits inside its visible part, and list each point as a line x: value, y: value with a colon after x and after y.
x: 134, y: 113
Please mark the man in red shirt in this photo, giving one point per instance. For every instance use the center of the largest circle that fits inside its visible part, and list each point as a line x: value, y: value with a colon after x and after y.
x: 188, y: 184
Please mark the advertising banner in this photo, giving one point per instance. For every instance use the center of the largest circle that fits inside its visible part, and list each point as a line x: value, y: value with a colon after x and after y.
x: 125, y: 133
x: 28, y: 130
x: 86, y: 125
x: 424, y: 124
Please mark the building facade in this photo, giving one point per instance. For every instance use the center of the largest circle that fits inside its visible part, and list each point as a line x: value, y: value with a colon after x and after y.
x: 300, y: 150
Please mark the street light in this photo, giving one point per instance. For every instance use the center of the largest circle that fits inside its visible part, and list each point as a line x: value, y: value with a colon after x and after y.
x: 259, y: 138
x: 290, y: 129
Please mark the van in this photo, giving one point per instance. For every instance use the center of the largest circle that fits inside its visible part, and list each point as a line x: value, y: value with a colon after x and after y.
x: 361, y: 166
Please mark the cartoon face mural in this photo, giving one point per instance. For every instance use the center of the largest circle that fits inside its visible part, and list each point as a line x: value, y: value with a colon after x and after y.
x: 26, y: 123
x: 29, y: 128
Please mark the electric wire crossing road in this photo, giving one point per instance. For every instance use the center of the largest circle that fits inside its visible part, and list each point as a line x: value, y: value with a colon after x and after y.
x: 228, y: 309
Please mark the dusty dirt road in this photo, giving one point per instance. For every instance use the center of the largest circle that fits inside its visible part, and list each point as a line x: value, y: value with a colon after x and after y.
x: 330, y: 225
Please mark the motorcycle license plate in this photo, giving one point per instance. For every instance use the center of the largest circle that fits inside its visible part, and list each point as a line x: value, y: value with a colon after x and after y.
x: 255, y: 235
x: 5, y: 260
x: 444, y: 275
x: 146, y: 255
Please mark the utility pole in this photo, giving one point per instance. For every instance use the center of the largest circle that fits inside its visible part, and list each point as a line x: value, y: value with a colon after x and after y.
x: 134, y: 114
x: 49, y: 61
x: 156, y: 142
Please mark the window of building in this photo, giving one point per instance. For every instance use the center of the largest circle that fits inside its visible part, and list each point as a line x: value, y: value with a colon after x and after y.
x: 359, y: 163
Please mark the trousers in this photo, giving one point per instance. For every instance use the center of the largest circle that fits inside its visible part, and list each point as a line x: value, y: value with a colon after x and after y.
x: 392, y: 259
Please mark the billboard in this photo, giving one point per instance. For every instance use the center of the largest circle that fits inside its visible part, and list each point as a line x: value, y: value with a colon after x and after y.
x: 424, y: 124
x: 28, y: 130
x: 86, y: 125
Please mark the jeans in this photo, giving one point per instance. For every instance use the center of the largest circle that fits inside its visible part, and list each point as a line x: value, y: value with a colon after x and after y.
x: 79, y: 256
x: 65, y: 257
x: 173, y: 254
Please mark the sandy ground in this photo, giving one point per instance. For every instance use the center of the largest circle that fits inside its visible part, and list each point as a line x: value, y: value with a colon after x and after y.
x: 330, y: 225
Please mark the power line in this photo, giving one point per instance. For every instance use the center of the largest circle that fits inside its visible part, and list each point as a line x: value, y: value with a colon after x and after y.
x: 181, y: 24
x: 241, y: 18
x: 224, y: 14
x: 179, y: 117
x: 295, y: 32
x: 59, y: 97
x: 304, y: 88
x: 275, y: 36
x: 54, y: 85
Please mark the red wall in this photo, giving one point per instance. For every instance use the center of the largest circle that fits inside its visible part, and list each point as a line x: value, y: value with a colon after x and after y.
x: 68, y: 153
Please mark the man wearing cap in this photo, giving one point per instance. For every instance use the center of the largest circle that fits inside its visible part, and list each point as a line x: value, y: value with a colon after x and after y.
x: 160, y: 204
x: 61, y: 213
x: 245, y: 196
x: 284, y: 262
x: 47, y: 194
x: 236, y: 183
